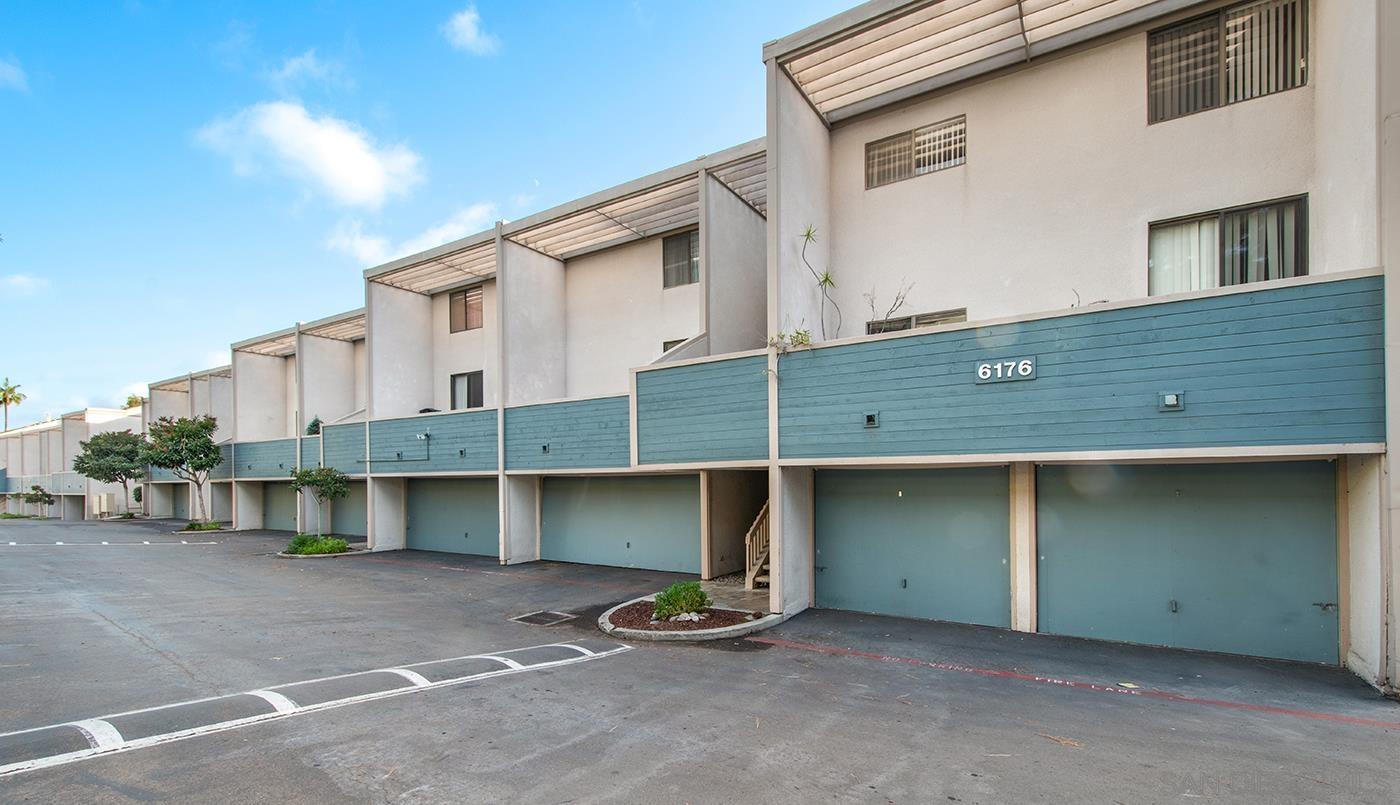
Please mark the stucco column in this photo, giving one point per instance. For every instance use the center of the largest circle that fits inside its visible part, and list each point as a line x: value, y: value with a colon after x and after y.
x: 247, y: 505
x: 791, y: 534
x: 1024, y: 563
x: 388, y: 513
x: 1388, y: 123
x: 521, y: 541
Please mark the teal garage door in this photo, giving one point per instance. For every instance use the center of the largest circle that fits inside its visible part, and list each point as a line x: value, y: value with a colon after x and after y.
x: 650, y: 522
x: 350, y: 514
x: 454, y: 515
x: 180, y: 501
x: 1240, y: 558
x: 279, y: 507
x: 915, y: 543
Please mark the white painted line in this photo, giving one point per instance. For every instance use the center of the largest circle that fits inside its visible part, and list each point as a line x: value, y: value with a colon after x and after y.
x: 145, y: 543
x: 103, y: 746
x: 279, y: 702
x: 58, y: 543
x: 412, y: 676
x: 182, y: 542
x: 100, y: 734
x: 507, y: 661
x: 12, y: 543
x: 581, y: 649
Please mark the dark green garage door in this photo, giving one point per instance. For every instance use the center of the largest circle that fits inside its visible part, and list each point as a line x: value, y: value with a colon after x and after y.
x: 917, y: 543
x: 454, y: 515
x: 180, y: 501
x: 650, y: 522
x: 349, y: 515
x: 1222, y: 557
x: 279, y: 507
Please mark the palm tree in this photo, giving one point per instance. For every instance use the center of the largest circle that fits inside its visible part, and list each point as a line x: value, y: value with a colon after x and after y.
x: 10, y: 395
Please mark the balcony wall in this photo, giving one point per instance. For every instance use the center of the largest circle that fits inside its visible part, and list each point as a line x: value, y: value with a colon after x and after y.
x: 271, y: 459
x: 574, y: 434
x: 457, y: 442
x: 345, y: 447
x: 1292, y: 364
x: 712, y: 411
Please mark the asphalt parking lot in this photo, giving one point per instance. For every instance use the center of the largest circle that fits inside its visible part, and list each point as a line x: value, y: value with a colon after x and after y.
x: 398, y: 677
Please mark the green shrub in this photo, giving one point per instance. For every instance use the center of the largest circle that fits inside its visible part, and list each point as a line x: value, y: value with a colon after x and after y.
x: 126, y: 516
x: 198, y: 526
x: 13, y: 516
x: 680, y: 598
x: 304, y: 544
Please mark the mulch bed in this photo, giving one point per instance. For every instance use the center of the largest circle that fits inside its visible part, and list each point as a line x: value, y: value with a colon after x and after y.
x: 638, y: 616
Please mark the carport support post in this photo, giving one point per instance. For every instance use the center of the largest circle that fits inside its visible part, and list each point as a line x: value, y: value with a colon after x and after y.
x: 388, y: 513
x: 1388, y: 125
x: 521, y: 541
x: 791, y: 524
x: 247, y: 505
x: 1023, y: 547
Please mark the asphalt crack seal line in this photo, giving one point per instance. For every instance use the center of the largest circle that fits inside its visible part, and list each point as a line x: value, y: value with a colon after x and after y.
x: 1160, y: 695
x: 104, y: 737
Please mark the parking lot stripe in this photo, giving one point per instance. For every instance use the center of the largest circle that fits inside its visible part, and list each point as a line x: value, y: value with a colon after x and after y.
x: 100, y: 544
x: 110, y: 741
x: 279, y: 702
x: 99, y: 733
x: 1096, y: 687
x: 579, y: 649
x: 412, y: 676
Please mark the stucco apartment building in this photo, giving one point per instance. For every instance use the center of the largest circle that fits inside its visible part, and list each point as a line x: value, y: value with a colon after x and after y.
x: 42, y: 455
x: 1101, y: 352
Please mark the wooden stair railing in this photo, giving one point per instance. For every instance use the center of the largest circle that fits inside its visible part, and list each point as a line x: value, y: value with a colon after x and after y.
x: 756, y: 549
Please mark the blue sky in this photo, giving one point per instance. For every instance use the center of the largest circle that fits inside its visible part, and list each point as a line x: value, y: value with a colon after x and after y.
x: 178, y: 176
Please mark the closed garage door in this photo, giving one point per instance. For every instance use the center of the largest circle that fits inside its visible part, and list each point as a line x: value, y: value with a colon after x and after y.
x: 179, y: 501
x: 279, y: 507
x: 454, y: 515
x: 648, y: 522
x: 917, y: 543
x: 1221, y: 557
x: 349, y: 515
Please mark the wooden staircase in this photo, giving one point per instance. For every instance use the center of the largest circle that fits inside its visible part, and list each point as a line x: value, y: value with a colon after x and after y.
x: 756, y: 551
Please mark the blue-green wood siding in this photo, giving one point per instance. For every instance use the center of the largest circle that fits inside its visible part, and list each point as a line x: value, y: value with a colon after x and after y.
x: 224, y: 470
x: 716, y: 411
x: 345, y: 447
x: 579, y: 434
x: 916, y: 543
x: 275, y: 459
x: 463, y: 442
x: 310, y: 451
x: 1245, y: 551
x: 1294, y: 365
x: 158, y: 475
x: 454, y: 515
x: 645, y: 521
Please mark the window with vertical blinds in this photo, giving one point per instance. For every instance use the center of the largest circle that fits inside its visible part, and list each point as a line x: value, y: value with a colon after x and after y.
x: 464, y: 310
x: 914, y: 153
x: 1237, y: 53
x: 1228, y: 247
x: 680, y: 259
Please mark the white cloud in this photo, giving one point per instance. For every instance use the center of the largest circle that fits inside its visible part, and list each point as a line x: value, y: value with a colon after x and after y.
x: 349, y: 237
x: 12, y: 76
x: 23, y: 284
x: 337, y: 156
x: 464, y: 32
x: 304, y: 68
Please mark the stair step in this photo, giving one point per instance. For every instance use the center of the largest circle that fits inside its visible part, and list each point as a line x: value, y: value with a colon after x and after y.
x: 763, y: 577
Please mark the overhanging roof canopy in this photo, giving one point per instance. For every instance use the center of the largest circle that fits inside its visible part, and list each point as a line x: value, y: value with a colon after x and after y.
x: 455, y: 263
x: 277, y: 345
x: 648, y: 206
x: 887, y: 50
x: 182, y: 383
x: 343, y: 327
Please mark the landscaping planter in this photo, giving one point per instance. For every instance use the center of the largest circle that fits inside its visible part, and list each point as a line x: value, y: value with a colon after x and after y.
x: 632, y: 620
x: 345, y: 552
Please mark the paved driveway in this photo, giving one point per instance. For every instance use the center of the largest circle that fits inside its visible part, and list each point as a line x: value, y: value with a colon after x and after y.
x: 828, y: 707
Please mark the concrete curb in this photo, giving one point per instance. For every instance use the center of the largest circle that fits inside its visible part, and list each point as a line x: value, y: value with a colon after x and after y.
x: 210, y: 531
x: 691, y: 636
x: 347, y: 552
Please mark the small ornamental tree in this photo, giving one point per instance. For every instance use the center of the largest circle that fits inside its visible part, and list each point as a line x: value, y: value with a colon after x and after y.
x: 185, y: 446
x: 37, y: 496
x: 313, y: 428
x: 133, y: 401
x: 112, y: 458
x: 325, y: 485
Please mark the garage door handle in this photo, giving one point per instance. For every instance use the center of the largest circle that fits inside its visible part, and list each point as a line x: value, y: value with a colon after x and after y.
x: 1171, y: 605
x: 1327, y: 607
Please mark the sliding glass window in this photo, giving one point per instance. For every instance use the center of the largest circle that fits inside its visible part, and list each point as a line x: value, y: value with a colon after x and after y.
x: 1228, y: 247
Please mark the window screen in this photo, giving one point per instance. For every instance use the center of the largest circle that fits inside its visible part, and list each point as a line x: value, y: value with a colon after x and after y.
x: 680, y: 257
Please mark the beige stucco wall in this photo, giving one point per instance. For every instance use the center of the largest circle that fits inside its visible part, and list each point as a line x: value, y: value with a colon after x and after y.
x: 617, y: 316
x: 467, y: 351
x: 1064, y: 174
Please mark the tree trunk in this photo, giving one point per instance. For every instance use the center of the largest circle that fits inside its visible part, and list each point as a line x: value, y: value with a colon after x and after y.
x: 199, y: 498
x: 126, y: 496
x: 319, y: 504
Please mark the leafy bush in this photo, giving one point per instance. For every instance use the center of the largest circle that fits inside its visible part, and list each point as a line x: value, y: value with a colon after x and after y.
x: 304, y: 544
x: 198, y: 526
x: 13, y: 516
x: 680, y: 598
x: 126, y: 516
